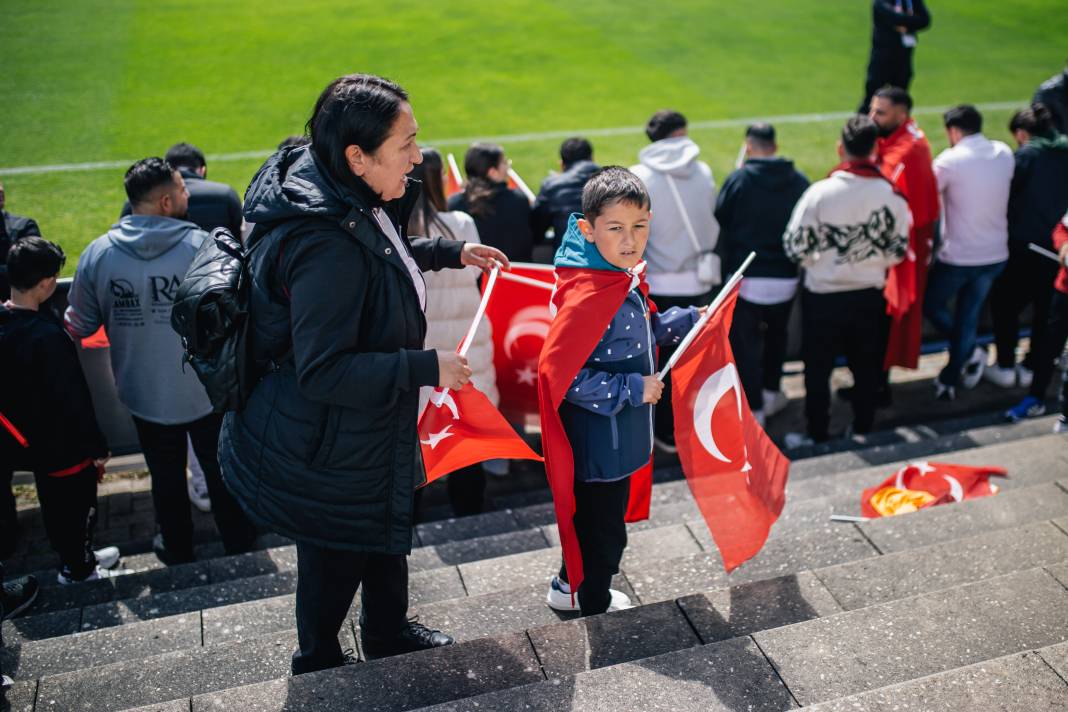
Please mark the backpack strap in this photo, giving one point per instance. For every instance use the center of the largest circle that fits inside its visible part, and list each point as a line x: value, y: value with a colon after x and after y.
x: 685, y: 216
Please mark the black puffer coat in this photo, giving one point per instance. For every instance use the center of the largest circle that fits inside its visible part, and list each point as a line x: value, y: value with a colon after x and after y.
x: 326, y: 450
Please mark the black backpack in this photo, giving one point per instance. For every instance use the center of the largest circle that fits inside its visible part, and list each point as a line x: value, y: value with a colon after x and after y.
x: 211, y: 315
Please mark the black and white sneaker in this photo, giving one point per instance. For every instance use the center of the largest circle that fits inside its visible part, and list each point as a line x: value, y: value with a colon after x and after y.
x: 973, y: 369
x: 18, y: 595
x: 6, y: 682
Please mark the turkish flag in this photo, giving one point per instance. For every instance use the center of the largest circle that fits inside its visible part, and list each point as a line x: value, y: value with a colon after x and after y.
x: 919, y: 485
x: 735, y: 472
x: 454, y: 182
x: 460, y: 428
x: 520, y: 317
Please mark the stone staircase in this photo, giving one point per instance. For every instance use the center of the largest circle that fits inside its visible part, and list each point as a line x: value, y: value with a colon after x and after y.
x: 957, y: 607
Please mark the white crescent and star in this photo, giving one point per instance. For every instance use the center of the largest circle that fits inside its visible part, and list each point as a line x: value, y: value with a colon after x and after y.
x: 530, y: 321
x: 712, y: 391
x: 442, y: 398
x: 436, y: 438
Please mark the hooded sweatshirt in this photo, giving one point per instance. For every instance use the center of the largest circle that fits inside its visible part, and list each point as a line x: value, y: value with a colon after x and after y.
x: 126, y: 281
x: 1038, y: 197
x: 671, y: 255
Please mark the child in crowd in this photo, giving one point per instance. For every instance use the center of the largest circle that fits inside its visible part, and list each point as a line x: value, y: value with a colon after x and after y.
x: 48, y: 421
x: 597, y: 386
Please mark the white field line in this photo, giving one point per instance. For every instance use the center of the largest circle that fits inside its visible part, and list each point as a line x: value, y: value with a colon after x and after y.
x: 519, y: 138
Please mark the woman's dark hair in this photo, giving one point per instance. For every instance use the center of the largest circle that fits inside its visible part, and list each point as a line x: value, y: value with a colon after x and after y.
x: 431, y: 198
x: 145, y: 176
x: 1035, y: 120
x: 612, y: 184
x: 478, y: 190
x: 353, y: 110
x: 32, y: 259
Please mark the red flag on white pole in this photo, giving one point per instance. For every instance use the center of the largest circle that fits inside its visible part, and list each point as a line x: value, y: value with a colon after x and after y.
x: 454, y: 181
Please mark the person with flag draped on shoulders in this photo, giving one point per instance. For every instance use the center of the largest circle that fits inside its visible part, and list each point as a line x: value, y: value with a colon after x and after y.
x: 597, y: 388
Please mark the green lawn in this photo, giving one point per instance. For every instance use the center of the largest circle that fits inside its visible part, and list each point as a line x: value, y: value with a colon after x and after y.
x: 97, y: 81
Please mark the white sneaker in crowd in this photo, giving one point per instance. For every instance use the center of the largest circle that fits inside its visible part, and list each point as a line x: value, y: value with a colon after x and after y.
x: 774, y: 402
x: 973, y: 369
x: 98, y: 573
x: 759, y: 416
x: 1024, y: 376
x: 559, y: 598
x: 1061, y: 426
x: 199, y: 497
x: 108, y: 557
x: 796, y: 440
x: 1003, y: 377
x: 497, y: 467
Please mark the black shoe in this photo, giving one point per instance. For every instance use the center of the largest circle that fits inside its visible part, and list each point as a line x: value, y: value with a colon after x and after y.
x: 883, y: 398
x: 170, y: 557
x: 415, y: 636
x: 18, y: 595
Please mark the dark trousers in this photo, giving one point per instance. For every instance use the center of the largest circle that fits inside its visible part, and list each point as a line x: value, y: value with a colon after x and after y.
x: 664, y: 419
x: 466, y: 488
x: 327, y: 580
x: 9, y: 519
x: 1027, y: 280
x: 1056, y: 338
x: 851, y: 323
x: 967, y: 287
x: 758, y: 340
x: 600, y: 511
x: 886, y: 67
x: 165, y: 449
x: 68, y: 508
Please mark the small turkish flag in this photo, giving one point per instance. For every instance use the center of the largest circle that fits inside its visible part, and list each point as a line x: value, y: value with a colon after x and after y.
x: 736, y: 474
x: 925, y: 484
x: 460, y: 428
x: 454, y: 182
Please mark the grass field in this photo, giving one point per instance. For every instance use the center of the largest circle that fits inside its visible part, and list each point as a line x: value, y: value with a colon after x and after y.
x: 90, y: 81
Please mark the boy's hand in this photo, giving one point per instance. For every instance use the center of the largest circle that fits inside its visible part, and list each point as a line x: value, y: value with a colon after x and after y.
x: 654, y: 388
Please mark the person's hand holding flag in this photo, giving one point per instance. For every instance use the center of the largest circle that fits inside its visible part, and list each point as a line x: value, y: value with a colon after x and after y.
x: 484, y: 257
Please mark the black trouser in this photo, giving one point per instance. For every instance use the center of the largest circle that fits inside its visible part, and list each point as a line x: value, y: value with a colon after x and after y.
x: 1027, y: 280
x: 466, y: 488
x: 850, y: 323
x: 9, y: 518
x: 68, y: 508
x: 327, y: 580
x: 886, y: 67
x: 600, y: 512
x: 758, y: 340
x: 664, y: 419
x: 1055, y: 339
x: 165, y: 449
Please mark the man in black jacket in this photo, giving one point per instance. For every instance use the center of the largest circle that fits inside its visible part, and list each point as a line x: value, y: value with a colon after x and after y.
x: 1053, y: 93
x: 211, y: 204
x: 752, y: 209
x: 13, y: 227
x: 893, y: 39
x: 561, y: 194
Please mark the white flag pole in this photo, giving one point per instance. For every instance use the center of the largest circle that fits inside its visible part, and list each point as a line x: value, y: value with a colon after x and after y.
x: 466, y: 343
x: 522, y: 185
x: 455, y: 170
x: 740, y: 160
x: 527, y: 281
x: 720, y: 298
x: 1044, y: 252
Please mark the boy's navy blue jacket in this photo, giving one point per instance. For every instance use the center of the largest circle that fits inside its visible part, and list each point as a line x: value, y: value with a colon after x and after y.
x: 608, y: 425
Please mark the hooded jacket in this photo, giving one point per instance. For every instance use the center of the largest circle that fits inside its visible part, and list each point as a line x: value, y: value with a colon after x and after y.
x: 1054, y: 94
x: 326, y: 449
x: 1038, y: 197
x: 670, y: 254
x: 752, y: 209
x: 126, y: 281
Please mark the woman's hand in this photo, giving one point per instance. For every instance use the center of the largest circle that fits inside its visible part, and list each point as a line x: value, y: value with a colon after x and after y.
x: 453, y: 372
x: 484, y: 257
x: 1064, y: 255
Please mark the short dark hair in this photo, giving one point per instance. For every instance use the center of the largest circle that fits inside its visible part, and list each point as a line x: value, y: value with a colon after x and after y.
x: 185, y: 155
x: 612, y: 184
x: 574, y: 150
x: 964, y: 117
x: 145, y: 176
x: 32, y: 259
x: 761, y: 133
x: 294, y: 140
x: 1035, y: 120
x: 859, y: 135
x: 896, y: 95
x: 353, y: 110
x: 664, y: 123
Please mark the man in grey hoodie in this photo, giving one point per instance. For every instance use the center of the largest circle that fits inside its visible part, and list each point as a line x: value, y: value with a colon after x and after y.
x: 126, y: 281
x: 682, y: 267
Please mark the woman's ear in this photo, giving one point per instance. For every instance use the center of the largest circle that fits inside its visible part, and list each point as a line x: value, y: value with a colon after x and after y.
x: 586, y: 228
x: 356, y: 159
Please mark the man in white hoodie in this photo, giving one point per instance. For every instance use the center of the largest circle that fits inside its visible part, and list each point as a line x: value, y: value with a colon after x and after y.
x: 682, y: 267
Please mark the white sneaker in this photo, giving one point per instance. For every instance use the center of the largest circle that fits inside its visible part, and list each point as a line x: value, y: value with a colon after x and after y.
x: 1024, y: 376
x: 98, y: 573
x: 973, y: 369
x: 796, y: 440
x: 108, y: 557
x: 759, y: 416
x: 559, y: 598
x: 6, y: 682
x: 497, y: 467
x: 774, y: 402
x: 1061, y: 426
x: 200, y: 500
x: 1003, y: 377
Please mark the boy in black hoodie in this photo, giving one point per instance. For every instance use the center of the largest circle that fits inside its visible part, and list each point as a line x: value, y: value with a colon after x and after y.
x: 46, y: 414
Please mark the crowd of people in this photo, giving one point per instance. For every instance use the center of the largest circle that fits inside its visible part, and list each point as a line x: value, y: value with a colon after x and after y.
x: 328, y: 456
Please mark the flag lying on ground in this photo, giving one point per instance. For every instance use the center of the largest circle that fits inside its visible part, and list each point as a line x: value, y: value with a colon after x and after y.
x: 735, y: 472
x: 454, y: 182
x: 926, y: 484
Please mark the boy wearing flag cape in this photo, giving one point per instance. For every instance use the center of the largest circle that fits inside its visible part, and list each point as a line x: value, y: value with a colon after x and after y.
x: 597, y: 388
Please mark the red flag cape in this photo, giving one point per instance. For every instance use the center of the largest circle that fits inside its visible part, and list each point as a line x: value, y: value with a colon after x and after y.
x: 905, y: 159
x: 926, y: 484
x: 462, y: 428
x: 735, y: 472
x: 586, y: 301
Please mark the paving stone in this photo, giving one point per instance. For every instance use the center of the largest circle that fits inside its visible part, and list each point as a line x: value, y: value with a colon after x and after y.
x: 254, y: 563
x: 172, y: 706
x: 740, y: 610
x: 100, y: 647
x: 488, y: 547
x: 45, y: 625
x: 1009, y: 508
x: 895, y: 576
x: 487, y: 576
x: 1018, y: 682
x: 490, y: 614
x: 1056, y: 656
x: 61, y: 598
x: 446, y: 530
x: 418, y: 679
x: 862, y: 650
x: 536, y: 515
x: 649, y: 546
x: 723, y: 677
x: 598, y: 641
x: 161, y: 580
x: 21, y: 697
x: 1060, y: 572
x: 779, y: 557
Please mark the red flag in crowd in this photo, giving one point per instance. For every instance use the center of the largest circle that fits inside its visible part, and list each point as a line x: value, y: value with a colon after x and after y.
x: 517, y: 183
x: 520, y: 317
x: 736, y: 474
x: 926, y: 484
x: 454, y: 182
x: 461, y: 428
